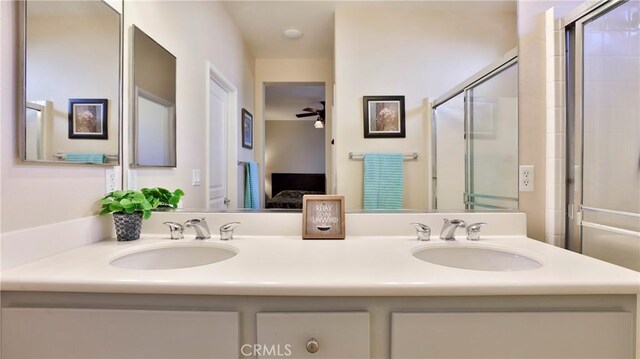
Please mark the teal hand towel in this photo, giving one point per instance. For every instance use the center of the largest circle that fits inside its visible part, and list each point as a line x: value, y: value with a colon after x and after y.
x: 84, y: 157
x: 251, y: 190
x: 383, y: 180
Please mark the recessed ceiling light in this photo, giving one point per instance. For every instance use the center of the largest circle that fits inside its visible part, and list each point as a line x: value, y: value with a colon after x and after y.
x: 292, y: 34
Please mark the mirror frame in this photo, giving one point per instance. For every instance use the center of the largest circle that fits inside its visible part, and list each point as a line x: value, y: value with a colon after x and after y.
x: 21, y: 93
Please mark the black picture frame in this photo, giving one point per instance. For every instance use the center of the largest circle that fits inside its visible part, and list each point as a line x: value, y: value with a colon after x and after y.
x: 246, y: 123
x: 88, y: 118
x: 390, y: 124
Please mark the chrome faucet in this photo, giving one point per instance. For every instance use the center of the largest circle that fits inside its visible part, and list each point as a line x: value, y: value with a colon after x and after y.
x: 226, y: 230
x: 200, y: 226
x: 176, y: 230
x: 423, y: 231
x: 473, y: 231
x: 448, y: 231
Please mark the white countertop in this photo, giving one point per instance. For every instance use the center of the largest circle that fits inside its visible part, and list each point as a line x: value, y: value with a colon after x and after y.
x: 357, y: 266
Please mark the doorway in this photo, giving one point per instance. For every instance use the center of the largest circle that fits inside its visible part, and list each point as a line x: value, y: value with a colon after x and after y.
x: 221, y: 140
x: 294, y: 122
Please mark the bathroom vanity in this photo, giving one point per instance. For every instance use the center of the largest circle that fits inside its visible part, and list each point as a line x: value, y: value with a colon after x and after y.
x: 376, y: 294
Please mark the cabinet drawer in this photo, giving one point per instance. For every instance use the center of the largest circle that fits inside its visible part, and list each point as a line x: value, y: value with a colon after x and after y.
x: 116, y: 333
x: 512, y: 335
x: 338, y: 335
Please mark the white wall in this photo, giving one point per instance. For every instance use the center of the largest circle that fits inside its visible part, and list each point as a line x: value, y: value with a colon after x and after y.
x: 292, y: 146
x: 532, y: 109
x: 34, y: 195
x: 195, y: 32
x: 292, y: 71
x: 417, y: 53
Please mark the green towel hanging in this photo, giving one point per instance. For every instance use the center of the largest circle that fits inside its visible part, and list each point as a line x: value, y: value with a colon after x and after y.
x: 383, y: 180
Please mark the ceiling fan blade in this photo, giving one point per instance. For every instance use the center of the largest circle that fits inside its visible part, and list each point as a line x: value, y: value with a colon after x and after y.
x: 305, y: 115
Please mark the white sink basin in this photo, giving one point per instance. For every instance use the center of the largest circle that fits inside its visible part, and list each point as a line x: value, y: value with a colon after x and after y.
x: 476, y: 258
x: 174, y: 256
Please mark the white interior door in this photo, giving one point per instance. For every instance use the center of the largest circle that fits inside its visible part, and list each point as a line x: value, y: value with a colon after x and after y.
x: 155, y: 133
x: 218, y: 103
x: 34, y: 129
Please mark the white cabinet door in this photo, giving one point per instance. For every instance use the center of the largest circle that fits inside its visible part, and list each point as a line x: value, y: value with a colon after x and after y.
x: 115, y: 333
x: 337, y: 334
x: 512, y: 335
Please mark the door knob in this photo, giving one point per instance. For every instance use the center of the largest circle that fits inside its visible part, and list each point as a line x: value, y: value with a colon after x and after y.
x: 312, y: 345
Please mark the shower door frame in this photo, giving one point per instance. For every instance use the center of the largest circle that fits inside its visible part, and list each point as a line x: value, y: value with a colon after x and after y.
x: 574, y: 24
x: 494, y: 69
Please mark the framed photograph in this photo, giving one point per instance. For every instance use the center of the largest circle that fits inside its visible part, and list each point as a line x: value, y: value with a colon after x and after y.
x: 383, y: 116
x: 247, y: 129
x: 323, y: 217
x: 88, y: 119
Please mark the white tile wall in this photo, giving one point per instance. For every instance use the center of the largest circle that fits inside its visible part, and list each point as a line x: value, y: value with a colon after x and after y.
x: 556, y: 130
x: 450, y: 151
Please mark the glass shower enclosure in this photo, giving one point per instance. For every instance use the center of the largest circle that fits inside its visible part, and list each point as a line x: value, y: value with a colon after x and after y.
x: 475, y: 141
x: 603, y: 112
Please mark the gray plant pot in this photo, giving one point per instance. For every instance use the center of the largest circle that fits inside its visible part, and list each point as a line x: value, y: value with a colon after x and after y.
x: 128, y: 226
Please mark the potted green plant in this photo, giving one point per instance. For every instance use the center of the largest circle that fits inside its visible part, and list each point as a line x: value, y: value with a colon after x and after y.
x: 163, y: 198
x: 130, y: 207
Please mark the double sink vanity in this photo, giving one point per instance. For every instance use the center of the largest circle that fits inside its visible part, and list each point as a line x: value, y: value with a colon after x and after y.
x: 265, y: 292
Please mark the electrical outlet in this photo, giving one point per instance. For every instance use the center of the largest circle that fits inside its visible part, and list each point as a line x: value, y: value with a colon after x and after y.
x: 132, y: 179
x: 526, y: 176
x: 195, y: 177
x: 111, y: 180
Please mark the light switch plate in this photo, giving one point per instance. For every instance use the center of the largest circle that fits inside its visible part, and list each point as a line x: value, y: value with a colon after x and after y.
x: 112, y: 180
x: 526, y: 176
x: 195, y: 177
x: 132, y: 179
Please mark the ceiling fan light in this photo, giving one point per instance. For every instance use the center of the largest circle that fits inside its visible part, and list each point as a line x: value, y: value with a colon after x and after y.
x: 318, y: 124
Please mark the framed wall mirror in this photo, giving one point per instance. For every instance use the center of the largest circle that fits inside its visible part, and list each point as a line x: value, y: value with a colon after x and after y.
x: 70, y: 82
x: 154, y: 103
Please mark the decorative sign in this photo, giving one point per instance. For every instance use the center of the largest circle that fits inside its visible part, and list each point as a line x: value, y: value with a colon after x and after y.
x: 323, y: 217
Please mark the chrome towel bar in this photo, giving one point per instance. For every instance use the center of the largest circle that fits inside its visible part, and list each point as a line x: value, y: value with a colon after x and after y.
x: 356, y: 156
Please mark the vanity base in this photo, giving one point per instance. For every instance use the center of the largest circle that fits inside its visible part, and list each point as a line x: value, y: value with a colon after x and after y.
x: 376, y: 327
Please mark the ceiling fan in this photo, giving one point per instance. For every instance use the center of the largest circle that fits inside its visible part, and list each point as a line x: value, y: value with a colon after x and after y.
x: 319, y: 113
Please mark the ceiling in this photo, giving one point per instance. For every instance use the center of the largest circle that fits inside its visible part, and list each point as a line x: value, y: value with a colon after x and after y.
x: 76, y: 9
x: 262, y: 22
x: 283, y: 101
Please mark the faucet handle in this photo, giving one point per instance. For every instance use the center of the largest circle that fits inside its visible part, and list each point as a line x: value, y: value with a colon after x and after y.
x: 226, y: 230
x: 424, y: 231
x: 473, y: 231
x: 176, y: 229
